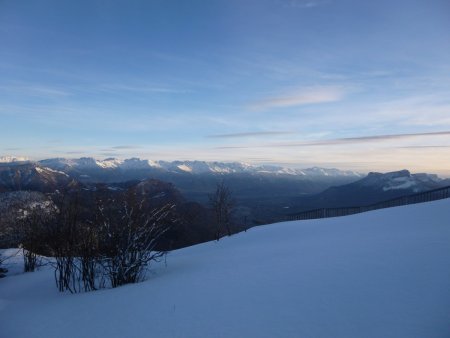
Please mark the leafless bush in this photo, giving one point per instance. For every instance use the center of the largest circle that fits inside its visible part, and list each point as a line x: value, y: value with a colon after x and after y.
x: 129, y: 235
x: 93, y: 246
x: 61, y: 239
x: 3, y: 270
x: 222, y: 204
x: 32, y: 229
x: 88, y: 256
x: 112, y: 248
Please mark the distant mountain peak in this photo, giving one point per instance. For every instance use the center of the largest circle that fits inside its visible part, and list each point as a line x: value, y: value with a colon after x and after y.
x: 192, y: 167
x: 376, y: 187
x: 13, y: 159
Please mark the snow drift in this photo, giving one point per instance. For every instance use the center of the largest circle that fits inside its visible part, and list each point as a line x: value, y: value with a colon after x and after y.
x: 379, y: 274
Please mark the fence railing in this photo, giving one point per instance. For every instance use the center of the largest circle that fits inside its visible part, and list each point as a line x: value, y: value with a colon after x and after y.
x: 426, y: 196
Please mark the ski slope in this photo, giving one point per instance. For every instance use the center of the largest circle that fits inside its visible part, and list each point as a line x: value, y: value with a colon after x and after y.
x: 384, y: 273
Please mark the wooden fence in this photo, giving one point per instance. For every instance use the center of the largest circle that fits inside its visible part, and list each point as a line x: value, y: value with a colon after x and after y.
x: 426, y: 196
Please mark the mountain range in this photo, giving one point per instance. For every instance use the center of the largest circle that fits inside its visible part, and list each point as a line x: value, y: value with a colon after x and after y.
x: 192, y: 167
x: 374, y: 188
x: 257, y: 188
x: 262, y: 193
x: 31, y: 176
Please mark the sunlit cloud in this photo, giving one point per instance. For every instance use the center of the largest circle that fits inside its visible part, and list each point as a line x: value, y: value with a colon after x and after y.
x: 304, y: 96
x: 425, y: 147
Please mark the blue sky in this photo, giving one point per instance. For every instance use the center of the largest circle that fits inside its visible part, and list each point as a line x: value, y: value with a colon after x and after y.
x: 359, y: 85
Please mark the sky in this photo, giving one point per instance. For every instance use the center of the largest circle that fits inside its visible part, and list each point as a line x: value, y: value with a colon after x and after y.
x: 361, y: 85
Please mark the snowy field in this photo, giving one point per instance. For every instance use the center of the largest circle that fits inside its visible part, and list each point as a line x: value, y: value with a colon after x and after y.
x: 380, y: 274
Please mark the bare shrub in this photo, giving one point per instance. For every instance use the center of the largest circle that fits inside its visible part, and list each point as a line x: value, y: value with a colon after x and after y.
x: 129, y: 233
x: 32, y: 233
x: 222, y: 204
x: 3, y: 270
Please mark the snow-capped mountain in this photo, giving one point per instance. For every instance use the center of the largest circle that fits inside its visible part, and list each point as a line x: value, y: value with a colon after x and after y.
x: 266, y: 192
x: 192, y: 167
x: 13, y: 159
x: 401, y: 180
x: 32, y: 176
x: 373, y: 188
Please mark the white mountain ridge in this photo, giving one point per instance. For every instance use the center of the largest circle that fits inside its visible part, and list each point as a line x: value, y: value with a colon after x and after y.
x: 12, y: 159
x: 194, y: 167
x: 402, y: 179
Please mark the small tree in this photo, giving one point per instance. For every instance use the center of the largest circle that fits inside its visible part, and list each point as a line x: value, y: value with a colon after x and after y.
x: 222, y: 204
x: 89, y: 256
x: 3, y: 270
x: 130, y: 231
x: 62, y: 239
x: 32, y: 232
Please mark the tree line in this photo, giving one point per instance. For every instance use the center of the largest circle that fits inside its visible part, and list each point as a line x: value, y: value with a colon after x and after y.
x: 101, y: 238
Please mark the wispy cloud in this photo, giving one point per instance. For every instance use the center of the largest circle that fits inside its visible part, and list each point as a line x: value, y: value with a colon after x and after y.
x: 303, y: 96
x: 252, y: 134
x: 126, y: 147
x: 142, y: 89
x: 108, y: 154
x: 345, y: 140
x: 420, y: 110
x: 425, y: 147
x: 383, y: 137
x: 305, y: 4
x: 35, y: 90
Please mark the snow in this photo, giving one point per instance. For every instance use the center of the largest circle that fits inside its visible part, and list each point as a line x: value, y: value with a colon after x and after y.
x: 12, y: 159
x: 45, y: 170
x: 402, y: 180
x: 184, y: 167
x: 424, y: 177
x: 12, y: 260
x: 406, y: 184
x: 109, y: 163
x: 384, y: 273
x: 135, y: 163
x: 416, y: 182
x: 194, y: 167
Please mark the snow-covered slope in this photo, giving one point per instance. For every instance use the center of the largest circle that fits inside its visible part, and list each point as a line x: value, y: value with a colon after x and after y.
x: 379, y: 274
x: 32, y: 176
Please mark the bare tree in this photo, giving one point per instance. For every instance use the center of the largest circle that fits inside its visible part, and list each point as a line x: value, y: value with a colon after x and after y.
x: 62, y: 239
x: 129, y: 237
x: 222, y: 204
x: 91, y: 249
x: 3, y: 270
x: 32, y: 231
x: 89, y: 256
x: 3, y: 235
x: 22, y: 214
